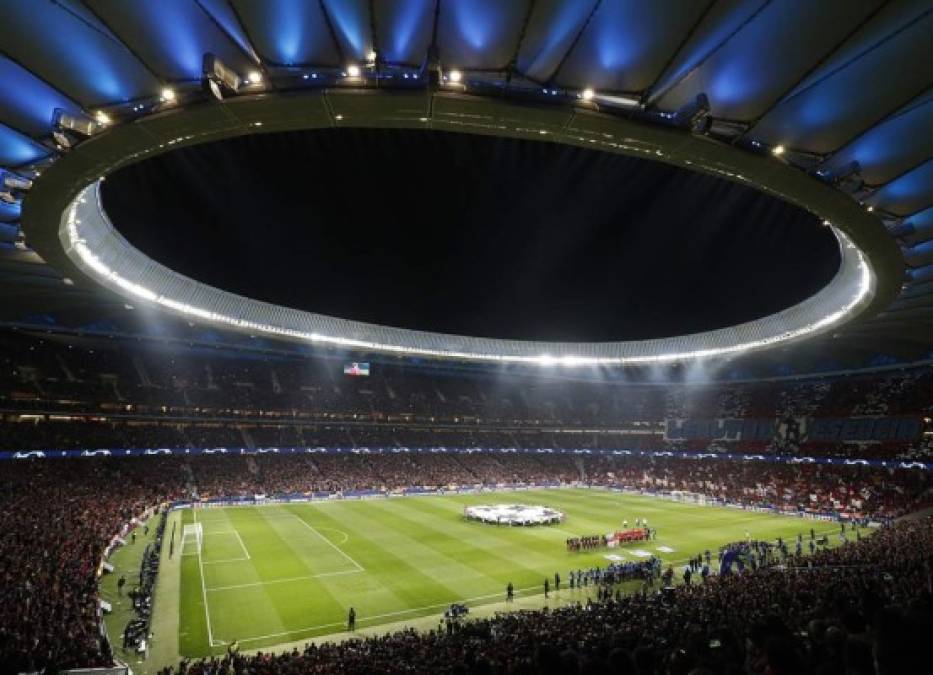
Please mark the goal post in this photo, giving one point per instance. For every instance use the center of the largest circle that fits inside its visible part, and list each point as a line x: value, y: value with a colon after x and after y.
x: 194, y: 533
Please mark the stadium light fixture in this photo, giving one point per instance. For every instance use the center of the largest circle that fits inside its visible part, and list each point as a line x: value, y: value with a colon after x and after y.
x: 454, y: 76
x: 82, y: 124
x: 620, y: 101
x: 778, y: 150
x: 168, y: 95
x: 102, y: 118
x: 253, y: 77
x: 217, y: 77
x: 12, y: 181
x: 694, y: 115
x: 587, y: 94
x: 353, y: 70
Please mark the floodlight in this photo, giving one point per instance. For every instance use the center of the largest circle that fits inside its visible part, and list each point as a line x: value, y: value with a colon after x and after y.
x: 254, y: 77
x: 62, y: 140
x: 13, y: 181
x: 218, y: 77
x: 587, y: 94
x: 371, y: 56
x: 778, y: 150
x: 455, y: 76
x: 102, y: 118
x: 82, y: 124
x: 353, y: 70
x: 849, y: 178
x: 168, y: 94
x: 694, y: 115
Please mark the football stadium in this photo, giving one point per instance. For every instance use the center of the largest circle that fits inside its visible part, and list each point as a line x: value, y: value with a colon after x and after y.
x: 468, y: 337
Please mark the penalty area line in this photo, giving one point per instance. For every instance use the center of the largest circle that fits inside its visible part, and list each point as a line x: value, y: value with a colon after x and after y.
x: 327, y: 541
x: 283, y: 581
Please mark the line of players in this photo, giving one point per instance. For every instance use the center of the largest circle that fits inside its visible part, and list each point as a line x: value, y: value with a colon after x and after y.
x: 641, y: 532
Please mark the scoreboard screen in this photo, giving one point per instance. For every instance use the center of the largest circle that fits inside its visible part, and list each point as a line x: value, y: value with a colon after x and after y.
x: 356, y: 369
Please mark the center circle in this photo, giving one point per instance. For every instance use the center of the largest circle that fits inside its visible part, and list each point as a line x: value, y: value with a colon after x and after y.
x: 471, y: 235
x: 513, y: 514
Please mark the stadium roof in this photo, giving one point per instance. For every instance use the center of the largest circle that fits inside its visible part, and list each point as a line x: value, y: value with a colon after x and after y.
x: 845, y: 89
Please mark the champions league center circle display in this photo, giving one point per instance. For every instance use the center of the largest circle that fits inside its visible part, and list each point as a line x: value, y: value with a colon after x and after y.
x: 513, y: 514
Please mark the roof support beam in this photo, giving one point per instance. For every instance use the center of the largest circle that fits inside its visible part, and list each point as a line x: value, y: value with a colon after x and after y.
x: 333, y: 34
x: 656, y: 94
x: 809, y: 71
x: 924, y: 98
x: 111, y: 34
x: 511, y: 66
x: 683, y: 43
x: 255, y: 58
x: 573, y: 43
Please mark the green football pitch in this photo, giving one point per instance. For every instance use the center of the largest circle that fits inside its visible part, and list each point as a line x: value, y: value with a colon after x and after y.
x: 273, y: 574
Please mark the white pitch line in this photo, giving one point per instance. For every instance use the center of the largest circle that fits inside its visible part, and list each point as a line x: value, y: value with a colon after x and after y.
x: 329, y: 542
x: 283, y: 581
x: 225, y: 560
x: 240, y: 539
x: 382, y: 616
x: 407, y: 611
x: 346, y: 537
x: 207, y: 614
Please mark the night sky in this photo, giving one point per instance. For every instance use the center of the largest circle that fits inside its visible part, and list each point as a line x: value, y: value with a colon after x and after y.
x: 471, y: 235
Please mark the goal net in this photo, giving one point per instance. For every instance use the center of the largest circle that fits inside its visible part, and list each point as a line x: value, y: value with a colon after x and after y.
x: 193, y: 534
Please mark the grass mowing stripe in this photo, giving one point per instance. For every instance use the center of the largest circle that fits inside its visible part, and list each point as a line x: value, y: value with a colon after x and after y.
x: 419, y: 555
x: 378, y: 617
x: 395, y: 577
x: 282, y: 581
x: 492, y: 548
x: 329, y: 542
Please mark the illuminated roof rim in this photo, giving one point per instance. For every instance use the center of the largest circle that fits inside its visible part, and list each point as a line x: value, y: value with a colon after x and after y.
x: 143, y: 138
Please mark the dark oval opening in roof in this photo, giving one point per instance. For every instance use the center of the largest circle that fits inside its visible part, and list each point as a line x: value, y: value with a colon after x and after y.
x: 471, y: 235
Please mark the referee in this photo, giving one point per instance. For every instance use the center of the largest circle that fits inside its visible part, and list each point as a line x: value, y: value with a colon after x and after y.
x: 351, y: 620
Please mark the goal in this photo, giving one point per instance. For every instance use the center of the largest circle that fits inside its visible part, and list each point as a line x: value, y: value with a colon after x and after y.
x: 193, y: 533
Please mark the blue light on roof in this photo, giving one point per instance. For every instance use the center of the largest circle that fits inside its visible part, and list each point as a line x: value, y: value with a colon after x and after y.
x: 16, y: 149
x: 351, y: 23
x: 9, y: 212
x: 27, y: 101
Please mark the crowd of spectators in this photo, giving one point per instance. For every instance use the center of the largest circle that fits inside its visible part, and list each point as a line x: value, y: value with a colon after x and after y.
x: 58, y: 515
x: 865, y: 608
x: 96, y: 376
x: 61, y: 394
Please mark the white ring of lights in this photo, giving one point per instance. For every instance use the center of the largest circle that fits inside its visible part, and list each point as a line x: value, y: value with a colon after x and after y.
x: 513, y: 514
x: 95, y: 246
